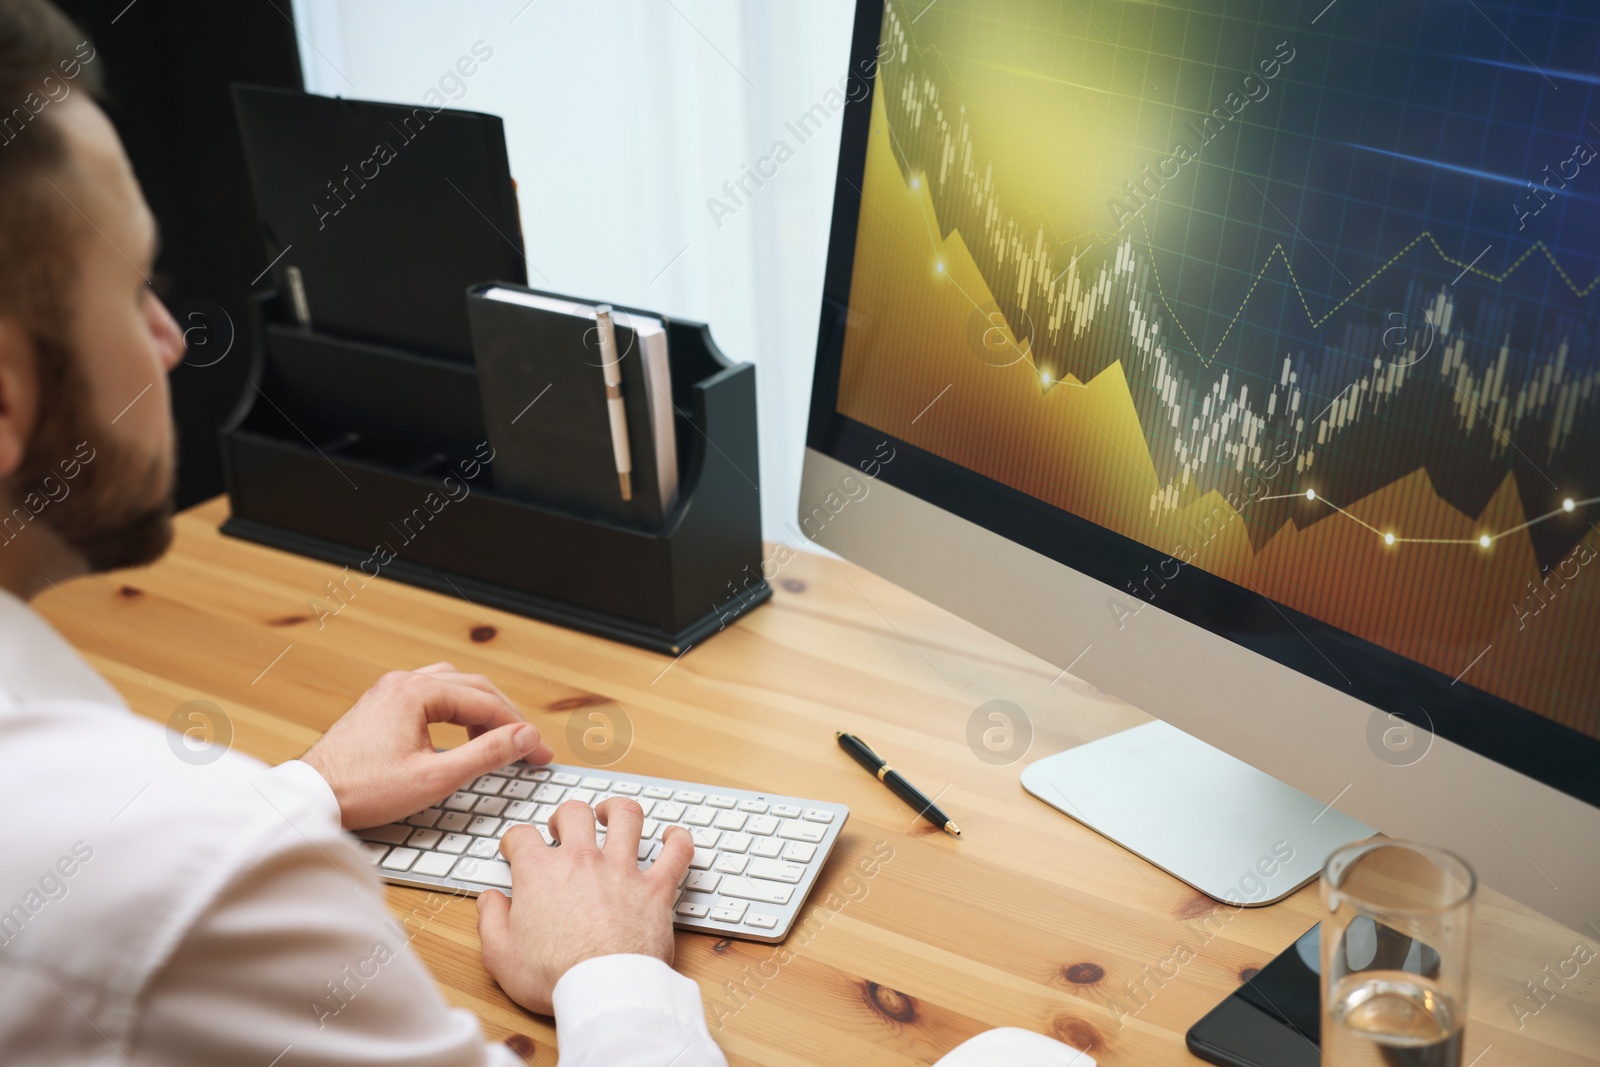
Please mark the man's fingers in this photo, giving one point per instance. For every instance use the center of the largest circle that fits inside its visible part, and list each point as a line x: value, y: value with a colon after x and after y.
x: 514, y: 842
x: 446, y: 701
x: 494, y: 925
x: 489, y: 752
x: 677, y: 849
x: 474, y: 681
x: 573, y: 824
x: 623, y: 820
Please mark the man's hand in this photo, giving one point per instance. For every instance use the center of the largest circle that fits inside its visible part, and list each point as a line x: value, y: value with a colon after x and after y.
x: 380, y: 761
x: 580, y: 900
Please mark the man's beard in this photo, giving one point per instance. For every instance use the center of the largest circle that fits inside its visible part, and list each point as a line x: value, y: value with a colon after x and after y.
x: 117, y: 511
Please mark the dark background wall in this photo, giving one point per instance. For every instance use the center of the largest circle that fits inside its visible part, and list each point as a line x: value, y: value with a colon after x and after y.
x: 167, y: 66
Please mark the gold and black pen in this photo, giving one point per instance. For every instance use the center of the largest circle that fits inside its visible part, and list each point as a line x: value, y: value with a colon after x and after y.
x: 892, y: 778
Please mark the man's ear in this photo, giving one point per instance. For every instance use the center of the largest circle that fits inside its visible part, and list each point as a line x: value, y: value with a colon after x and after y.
x: 19, y: 394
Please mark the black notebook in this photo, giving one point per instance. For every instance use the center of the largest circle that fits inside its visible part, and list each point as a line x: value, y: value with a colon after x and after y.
x: 544, y: 404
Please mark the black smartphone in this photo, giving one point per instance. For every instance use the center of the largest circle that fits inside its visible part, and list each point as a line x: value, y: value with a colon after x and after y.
x: 1275, y: 1019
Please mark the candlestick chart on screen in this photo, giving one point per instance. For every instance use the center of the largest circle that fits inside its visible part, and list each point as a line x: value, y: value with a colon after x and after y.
x: 1307, y: 305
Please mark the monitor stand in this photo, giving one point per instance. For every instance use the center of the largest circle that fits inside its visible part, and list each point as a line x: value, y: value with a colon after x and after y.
x: 1237, y: 835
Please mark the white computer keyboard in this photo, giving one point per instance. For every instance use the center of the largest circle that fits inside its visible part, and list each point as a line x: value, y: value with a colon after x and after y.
x: 756, y: 856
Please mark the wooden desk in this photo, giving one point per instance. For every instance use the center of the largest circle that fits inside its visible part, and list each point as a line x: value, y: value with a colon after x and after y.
x: 1028, y: 920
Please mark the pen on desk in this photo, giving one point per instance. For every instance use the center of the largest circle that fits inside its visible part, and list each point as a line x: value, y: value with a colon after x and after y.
x: 897, y: 784
x: 611, y: 364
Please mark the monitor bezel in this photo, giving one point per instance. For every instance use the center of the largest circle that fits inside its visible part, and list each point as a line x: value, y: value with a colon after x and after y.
x: 1490, y: 726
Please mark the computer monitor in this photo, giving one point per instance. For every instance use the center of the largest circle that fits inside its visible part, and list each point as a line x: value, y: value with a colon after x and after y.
x: 1243, y: 359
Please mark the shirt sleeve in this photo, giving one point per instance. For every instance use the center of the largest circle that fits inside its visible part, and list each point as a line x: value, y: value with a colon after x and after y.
x: 299, y: 952
x: 631, y: 1011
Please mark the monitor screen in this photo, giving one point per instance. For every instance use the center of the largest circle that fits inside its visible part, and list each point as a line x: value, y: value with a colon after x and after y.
x: 1279, y: 319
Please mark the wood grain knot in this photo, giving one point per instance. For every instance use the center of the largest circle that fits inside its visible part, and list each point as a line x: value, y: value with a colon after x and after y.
x: 794, y: 585
x: 1196, y: 907
x: 522, y: 1045
x: 721, y: 946
x: 583, y: 700
x: 890, y: 1003
x: 128, y: 592
x: 1079, y: 1033
x: 1247, y: 973
x: 289, y: 620
x: 1084, y: 973
x: 480, y: 634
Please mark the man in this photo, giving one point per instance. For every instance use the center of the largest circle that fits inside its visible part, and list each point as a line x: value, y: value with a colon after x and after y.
x: 155, y: 912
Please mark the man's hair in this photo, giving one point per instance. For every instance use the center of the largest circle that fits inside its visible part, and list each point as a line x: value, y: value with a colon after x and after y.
x: 38, y: 226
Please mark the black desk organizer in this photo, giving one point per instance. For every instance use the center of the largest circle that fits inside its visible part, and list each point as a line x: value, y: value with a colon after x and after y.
x: 339, y: 448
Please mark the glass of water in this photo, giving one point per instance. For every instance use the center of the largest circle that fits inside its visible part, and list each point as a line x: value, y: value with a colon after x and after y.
x: 1396, y: 942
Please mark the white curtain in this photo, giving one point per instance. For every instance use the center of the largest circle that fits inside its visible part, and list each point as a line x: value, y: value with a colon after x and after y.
x: 632, y: 127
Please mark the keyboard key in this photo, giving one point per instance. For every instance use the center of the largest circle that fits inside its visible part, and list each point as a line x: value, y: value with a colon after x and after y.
x: 818, y: 815
x: 543, y: 813
x: 452, y: 822
x: 705, y: 837
x: 658, y: 792
x: 786, y: 811
x: 489, y: 785
x: 730, y: 820
x: 537, y: 774
x: 703, y: 859
x: 795, y: 830
x: 393, y: 834
x: 775, y: 870
x: 799, y: 852
x: 627, y: 789
x: 647, y: 830
x: 455, y: 844
x: 761, y: 922
x: 489, y: 806
x: 373, y: 851
x: 699, y: 816
x: 768, y: 847
x: 752, y: 889
x: 483, y: 825
x: 730, y: 863
x: 484, y: 848
x: 585, y: 795
x: 561, y: 778
x: 645, y: 848
x: 425, y: 818
x: 521, y: 810
x: 689, y: 796
x: 716, y: 800
x: 729, y: 911
x: 424, y: 838
x: 761, y: 825
x: 691, y: 910
x: 703, y: 881
x: 518, y: 790
x: 598, y: 784
x: 461, y: 801
x: 739, y: 843
x: 646, y: 806
x: 753, y: 807
x: 668, y: 811
x: 484, y: 872
x: 549, y: 793
x: 434, y: 864
x: 400, y: 859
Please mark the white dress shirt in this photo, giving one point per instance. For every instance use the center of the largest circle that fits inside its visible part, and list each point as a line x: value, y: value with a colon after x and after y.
x: 155, y: 911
